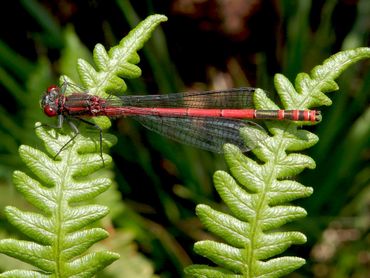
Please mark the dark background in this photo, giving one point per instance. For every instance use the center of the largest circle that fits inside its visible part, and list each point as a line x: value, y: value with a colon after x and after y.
x: 204, y: 45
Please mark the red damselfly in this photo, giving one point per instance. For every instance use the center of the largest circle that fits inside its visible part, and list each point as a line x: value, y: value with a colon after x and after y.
x: 206, y: 120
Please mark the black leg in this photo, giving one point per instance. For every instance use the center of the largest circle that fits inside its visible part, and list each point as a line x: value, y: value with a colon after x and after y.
x: 76, y: 132
x: 100, y: 135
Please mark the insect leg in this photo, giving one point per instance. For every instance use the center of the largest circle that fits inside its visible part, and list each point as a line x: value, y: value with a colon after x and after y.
x: 100, y: 135
x: 74, y: 129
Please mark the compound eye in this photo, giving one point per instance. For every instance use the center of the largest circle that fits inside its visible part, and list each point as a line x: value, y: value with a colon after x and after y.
x: 50, y: 111
x: 53, y: 89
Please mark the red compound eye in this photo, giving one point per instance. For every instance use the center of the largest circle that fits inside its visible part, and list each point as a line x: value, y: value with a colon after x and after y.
x: 53, y: 88
x: 50, y: 111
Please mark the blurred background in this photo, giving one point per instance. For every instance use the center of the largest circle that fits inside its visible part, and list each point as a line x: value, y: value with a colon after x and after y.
x: 206, y: 44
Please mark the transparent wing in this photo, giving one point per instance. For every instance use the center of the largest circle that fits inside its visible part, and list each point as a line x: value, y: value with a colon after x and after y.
x: 232, y: 98
x: 205, y: 133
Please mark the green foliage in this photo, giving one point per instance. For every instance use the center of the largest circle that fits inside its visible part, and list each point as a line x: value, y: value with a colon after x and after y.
x: 258, y: 190
x: 120, y: 62
x: 307, y: 35
x: 62, y: 232
x: 62, y: 189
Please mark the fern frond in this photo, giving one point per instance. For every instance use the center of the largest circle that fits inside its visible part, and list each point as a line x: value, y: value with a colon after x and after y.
x: 119, y: 62
x: 257, y: 192
x: 61, y: 232
x: 59, y: 235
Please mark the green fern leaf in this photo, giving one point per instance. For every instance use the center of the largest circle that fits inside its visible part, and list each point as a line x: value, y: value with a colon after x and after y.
x: 23, y: 273
x: 60, y: 192
x: 257, y: 191
x: 61, y: 232
x: 119, y: 62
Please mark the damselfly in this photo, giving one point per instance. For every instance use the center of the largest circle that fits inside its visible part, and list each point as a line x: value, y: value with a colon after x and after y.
x: 206, y: 120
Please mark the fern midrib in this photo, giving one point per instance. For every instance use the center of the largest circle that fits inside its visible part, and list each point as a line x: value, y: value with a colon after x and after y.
x: 254, y: 226
x: 304, y: 103
x: 262, y: 200
x: 62, y: 207
x: 110, y: 72
x: 319, y: 85
x: 59, y: 227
